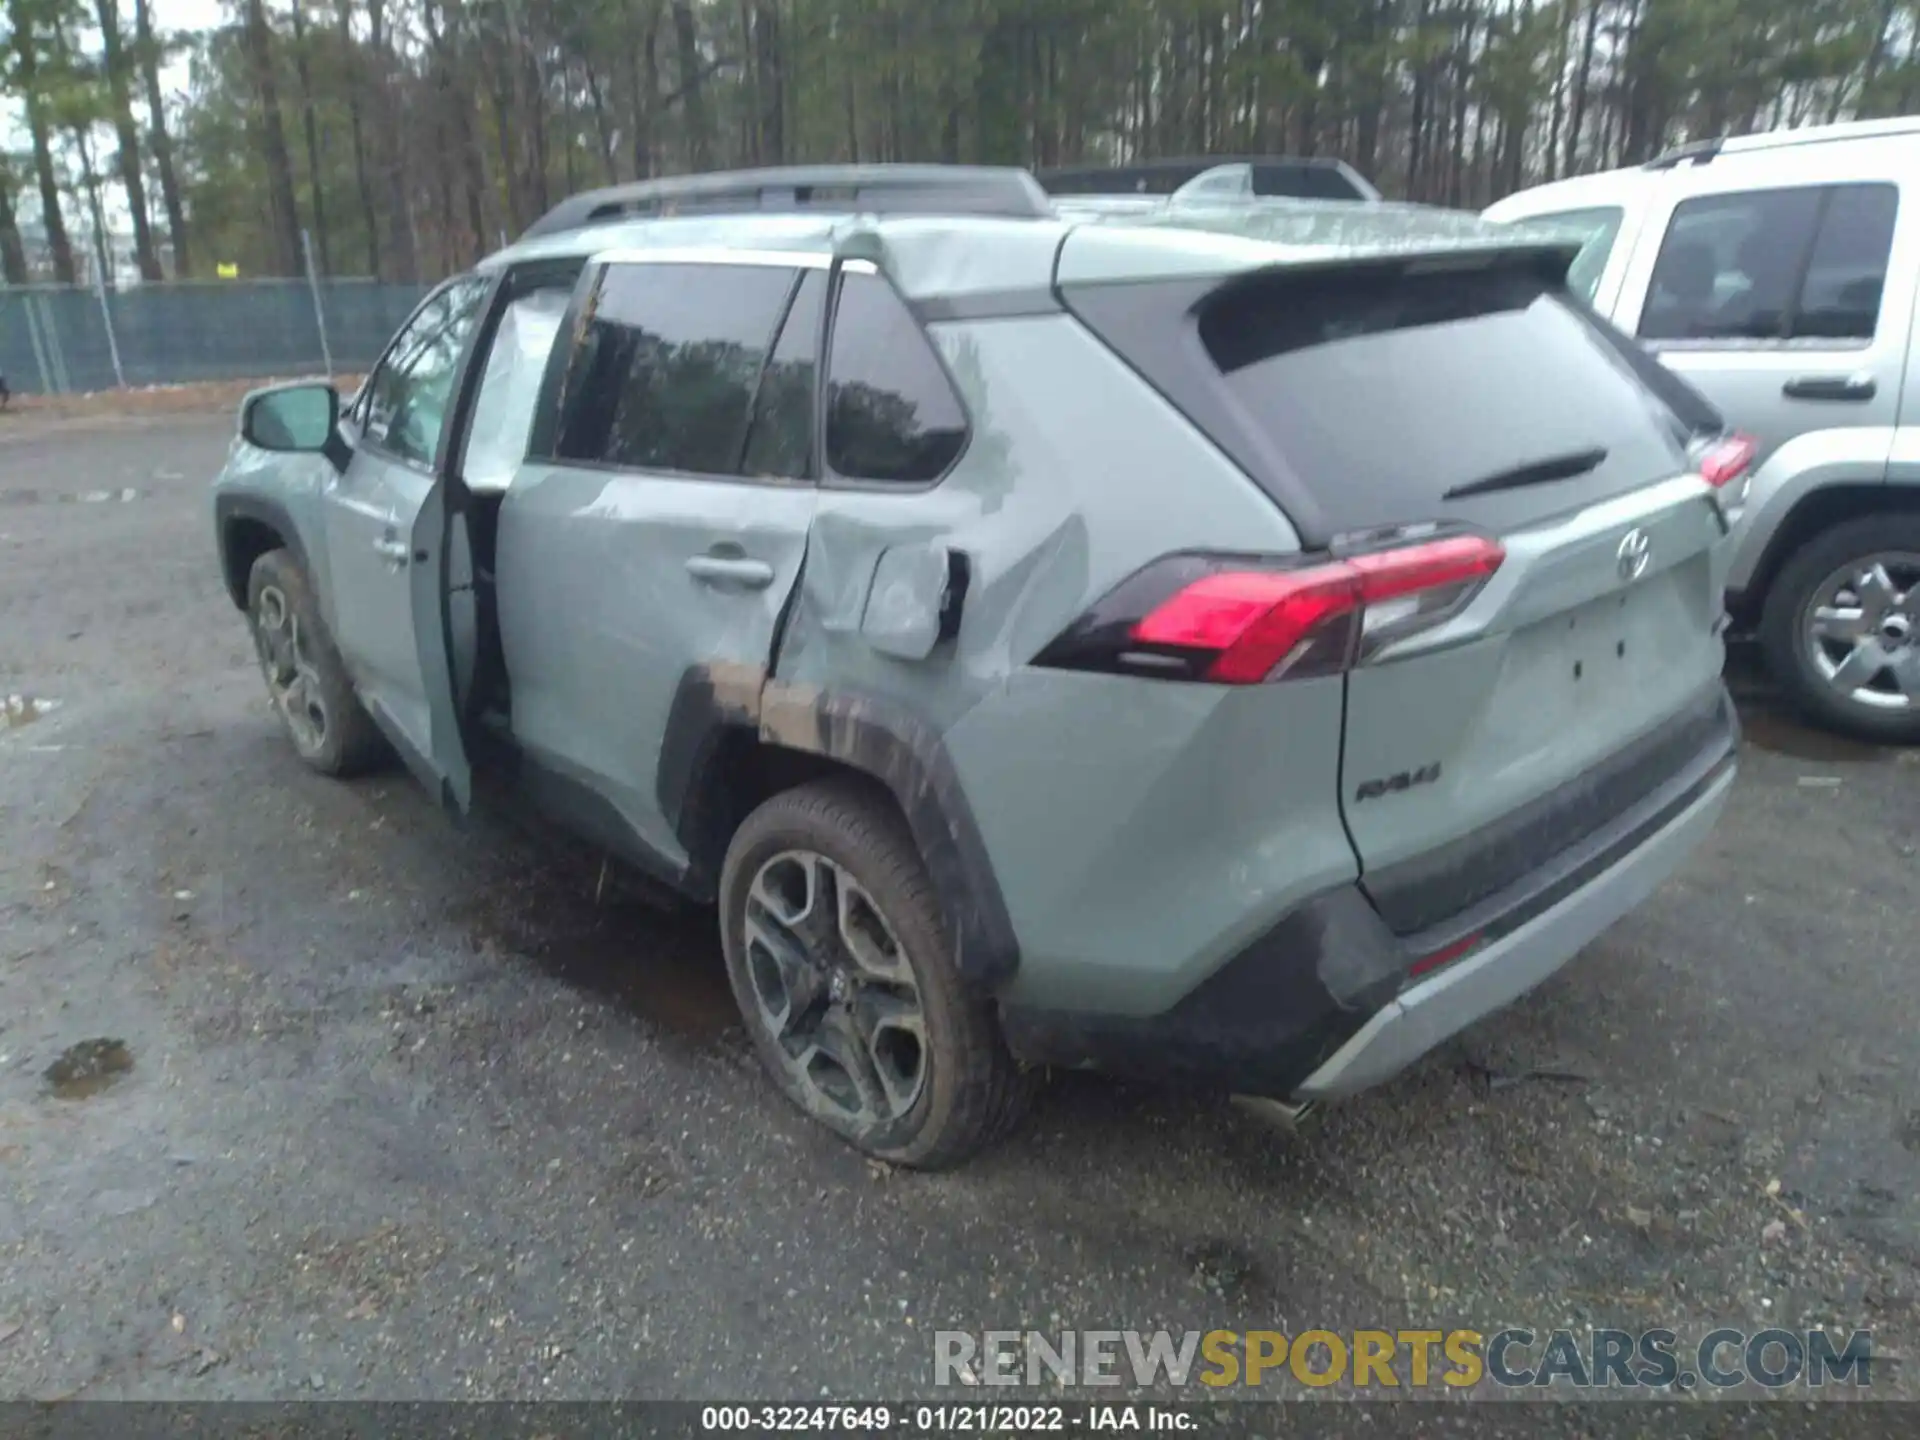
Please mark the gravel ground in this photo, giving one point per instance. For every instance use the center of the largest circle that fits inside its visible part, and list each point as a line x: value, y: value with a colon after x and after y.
x: 407, y: 1111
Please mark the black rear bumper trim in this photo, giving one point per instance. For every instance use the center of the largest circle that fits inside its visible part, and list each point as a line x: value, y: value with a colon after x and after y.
x: 1260, y: 1024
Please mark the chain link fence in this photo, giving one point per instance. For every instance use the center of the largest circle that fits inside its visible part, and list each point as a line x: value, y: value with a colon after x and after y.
x: 65, y: 339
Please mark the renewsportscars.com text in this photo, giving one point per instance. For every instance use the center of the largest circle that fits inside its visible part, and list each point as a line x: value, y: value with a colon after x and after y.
x: 1387, y: 1360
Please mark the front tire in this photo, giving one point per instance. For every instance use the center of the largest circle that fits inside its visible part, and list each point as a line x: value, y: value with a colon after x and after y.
x: 306, y: 681
x: 1841, y: 628
x: 840, y: 960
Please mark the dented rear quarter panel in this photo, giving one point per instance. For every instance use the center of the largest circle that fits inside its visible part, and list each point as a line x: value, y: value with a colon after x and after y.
x: 1139, y: 832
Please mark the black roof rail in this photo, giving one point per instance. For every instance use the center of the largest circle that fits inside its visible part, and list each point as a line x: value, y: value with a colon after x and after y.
x: 1700, y: 152
x: 867, y: 189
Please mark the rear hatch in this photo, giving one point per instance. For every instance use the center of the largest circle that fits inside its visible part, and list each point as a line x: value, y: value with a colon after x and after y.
x: 1557, y: 665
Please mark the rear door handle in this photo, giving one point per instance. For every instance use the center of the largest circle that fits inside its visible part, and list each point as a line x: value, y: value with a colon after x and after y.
x: 731, y: 570
x: 398, y: 551
x: 1830, y: 387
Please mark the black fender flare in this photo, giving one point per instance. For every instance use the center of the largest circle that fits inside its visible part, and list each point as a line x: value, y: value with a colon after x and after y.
x: 718, y: 706
x: 229, y: 509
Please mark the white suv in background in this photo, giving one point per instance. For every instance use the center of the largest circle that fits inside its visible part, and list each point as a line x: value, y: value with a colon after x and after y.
x: 1778, y: 274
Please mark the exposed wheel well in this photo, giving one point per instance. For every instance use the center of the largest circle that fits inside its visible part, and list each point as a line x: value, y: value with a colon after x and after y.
x: 740, y: 773
x: 1819, y: 510
x: 244, y: 540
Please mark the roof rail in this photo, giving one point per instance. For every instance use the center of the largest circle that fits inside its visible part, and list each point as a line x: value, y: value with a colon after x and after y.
x: 1700, y: 152
x: 868, y: 189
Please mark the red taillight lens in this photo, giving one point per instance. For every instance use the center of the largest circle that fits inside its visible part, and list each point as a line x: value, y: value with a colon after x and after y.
x: 1726, y: 460
x: 1255, y: 625
x: 1253, y: 621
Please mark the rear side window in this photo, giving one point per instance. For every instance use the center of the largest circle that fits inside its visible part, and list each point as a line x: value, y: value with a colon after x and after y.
x: 1383, y: 391
x: 1762, y: 265
x: 891, y: 411
x: 664, y: 374
x: 1840, y: 299
x: 1596, y: 229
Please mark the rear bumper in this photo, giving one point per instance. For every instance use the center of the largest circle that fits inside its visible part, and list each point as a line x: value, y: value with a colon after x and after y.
x: 1322, y: 1006
x: 1429, y: 1012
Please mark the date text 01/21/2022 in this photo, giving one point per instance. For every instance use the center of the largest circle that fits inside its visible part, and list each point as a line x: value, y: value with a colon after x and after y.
x: 941, y: 1419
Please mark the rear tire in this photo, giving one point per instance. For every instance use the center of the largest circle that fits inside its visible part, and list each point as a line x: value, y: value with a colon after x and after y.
x: 1805, y: 665
x: 840, y: 960
x: 306, y: 681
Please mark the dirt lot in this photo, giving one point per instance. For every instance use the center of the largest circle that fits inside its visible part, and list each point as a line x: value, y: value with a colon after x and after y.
x: 409, y: 1114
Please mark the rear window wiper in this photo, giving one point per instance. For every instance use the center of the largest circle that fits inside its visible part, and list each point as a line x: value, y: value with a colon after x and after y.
x: 1534, y: 472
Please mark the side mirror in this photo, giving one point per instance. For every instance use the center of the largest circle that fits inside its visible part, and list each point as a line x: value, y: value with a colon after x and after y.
x: 300, y: 418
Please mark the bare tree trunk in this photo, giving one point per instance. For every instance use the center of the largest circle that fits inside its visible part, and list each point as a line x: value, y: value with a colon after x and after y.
x: 401, y: 241
x: 1367, y: 142
x: 537, y: 137
x: 281, y: 205
x: 162, y: 142
x: 693, y: 93
x: 1417, y: 125
x: 363, y: 183
x: 96, y: 211
x: 1877, y: 55
x: 13, y: 253
x: 773, y: 85
x: 603, y: 126
x: 1462, y: 67
x: 1481, y: 189
x: 113, y: 59
x: 1581, y: 79
x: 59, y: 244
x: 853, y: 121
x: 1562, y: 51
x: 506, y: 124
x: 465, y: 120
x: 310, y: 125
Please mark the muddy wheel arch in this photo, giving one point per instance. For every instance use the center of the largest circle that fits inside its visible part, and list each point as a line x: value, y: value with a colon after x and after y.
x: 721, y: 718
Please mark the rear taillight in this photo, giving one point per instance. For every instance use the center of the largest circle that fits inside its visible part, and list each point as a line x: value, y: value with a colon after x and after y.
x: 1233, y: 622
x: 1727, y: 464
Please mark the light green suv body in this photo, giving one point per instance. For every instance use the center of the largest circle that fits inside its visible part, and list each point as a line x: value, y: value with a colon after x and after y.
x: 1241, y: 646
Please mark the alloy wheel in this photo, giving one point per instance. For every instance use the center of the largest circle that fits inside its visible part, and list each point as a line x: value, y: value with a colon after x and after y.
x: 1859, y: 631
x: 292, y: 681
x: 834, y: 991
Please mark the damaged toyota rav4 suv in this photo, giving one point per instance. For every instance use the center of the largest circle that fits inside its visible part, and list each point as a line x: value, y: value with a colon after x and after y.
x: 1238, y: 648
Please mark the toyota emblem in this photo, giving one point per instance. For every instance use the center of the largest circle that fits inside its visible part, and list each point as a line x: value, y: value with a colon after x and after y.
x: 1636, y: 549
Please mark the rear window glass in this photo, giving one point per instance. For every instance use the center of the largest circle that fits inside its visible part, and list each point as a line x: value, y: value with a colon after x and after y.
x: 1382, y: 392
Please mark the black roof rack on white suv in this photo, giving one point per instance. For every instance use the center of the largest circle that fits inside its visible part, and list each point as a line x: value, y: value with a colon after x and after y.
x: 1702, y: 152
